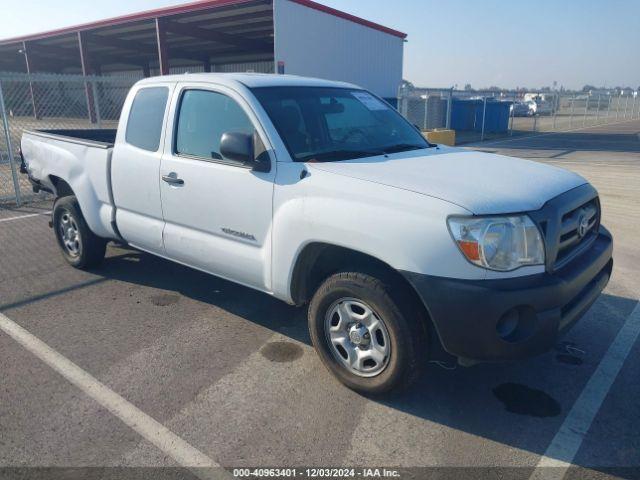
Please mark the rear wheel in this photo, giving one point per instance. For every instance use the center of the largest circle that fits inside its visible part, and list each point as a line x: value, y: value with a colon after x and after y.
x: 362, y: 335
x: 79, y: 245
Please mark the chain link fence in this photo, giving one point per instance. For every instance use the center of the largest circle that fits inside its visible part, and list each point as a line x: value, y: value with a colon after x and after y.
x: 485, y: 115
x: 46, y: 101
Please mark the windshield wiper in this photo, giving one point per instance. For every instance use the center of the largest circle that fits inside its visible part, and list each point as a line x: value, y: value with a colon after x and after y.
x: 403, y: 147
x: 337, y: 155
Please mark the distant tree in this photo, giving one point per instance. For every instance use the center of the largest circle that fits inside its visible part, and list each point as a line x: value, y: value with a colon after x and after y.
x: 468, y: 87
x: 545, y: 89
x: 588, y: 88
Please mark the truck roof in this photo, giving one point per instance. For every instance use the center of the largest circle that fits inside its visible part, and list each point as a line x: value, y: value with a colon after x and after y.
x: 250, y: 80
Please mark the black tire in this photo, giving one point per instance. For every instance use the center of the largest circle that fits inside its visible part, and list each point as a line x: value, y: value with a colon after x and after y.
x: 88, y: 249
x: 407, y: 339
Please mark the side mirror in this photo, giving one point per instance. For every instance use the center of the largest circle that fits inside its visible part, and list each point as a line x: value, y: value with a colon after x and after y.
x: 246, y: 149
x: 238, y: 147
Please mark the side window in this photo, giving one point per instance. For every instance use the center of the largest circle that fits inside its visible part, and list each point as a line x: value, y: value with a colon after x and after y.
x: 145, y: 119
x: 204, y: 116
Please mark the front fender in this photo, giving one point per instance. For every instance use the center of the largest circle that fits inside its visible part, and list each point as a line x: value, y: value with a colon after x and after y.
x: 403, y: 229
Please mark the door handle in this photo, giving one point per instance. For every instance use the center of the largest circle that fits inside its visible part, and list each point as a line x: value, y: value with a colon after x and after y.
x: 172, y: 179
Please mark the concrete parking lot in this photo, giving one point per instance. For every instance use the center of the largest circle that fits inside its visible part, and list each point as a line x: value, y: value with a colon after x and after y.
x: 229, y: 377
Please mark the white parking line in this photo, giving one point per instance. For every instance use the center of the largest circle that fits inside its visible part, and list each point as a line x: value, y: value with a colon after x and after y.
x: 565, y: 445
x: 151, y: 430
x: 23, y: 216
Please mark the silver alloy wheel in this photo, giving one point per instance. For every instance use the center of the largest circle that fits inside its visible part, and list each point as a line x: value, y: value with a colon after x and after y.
x: 358, y: 337
x: 70, y: 234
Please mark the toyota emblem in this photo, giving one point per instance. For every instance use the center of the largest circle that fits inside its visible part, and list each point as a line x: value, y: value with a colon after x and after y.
x: 583, y: 226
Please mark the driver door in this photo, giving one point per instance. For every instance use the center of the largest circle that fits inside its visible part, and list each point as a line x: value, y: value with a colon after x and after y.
x: 217, y: 212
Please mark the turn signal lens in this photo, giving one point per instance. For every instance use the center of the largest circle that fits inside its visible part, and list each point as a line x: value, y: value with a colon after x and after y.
x: 470, y: 249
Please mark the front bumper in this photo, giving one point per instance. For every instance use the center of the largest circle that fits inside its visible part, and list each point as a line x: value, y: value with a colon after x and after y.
x: 507, y: 319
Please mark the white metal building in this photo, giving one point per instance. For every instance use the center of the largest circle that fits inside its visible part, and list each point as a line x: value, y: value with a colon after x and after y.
x: 319, y: 42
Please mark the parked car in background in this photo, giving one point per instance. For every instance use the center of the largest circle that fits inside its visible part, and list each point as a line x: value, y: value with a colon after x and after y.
x: 321, y: 193
x: 521, y: 109
x: 542, y: 103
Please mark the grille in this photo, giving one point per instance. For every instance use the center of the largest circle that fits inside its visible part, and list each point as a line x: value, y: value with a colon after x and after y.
x: 578, y: 229
x: 570, y: 224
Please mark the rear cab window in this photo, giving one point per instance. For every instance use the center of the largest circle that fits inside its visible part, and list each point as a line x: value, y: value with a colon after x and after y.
x: 144, y: 126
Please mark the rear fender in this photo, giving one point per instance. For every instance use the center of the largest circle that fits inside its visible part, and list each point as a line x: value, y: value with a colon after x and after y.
x: 84, y: 169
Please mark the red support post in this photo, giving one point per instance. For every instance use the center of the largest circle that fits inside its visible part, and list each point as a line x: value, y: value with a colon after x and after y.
x: 163, y: 51
x: 29, y: 64
x: 86, y: 70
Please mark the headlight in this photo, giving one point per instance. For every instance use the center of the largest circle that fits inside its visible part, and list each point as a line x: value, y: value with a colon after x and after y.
x: 498, y: 243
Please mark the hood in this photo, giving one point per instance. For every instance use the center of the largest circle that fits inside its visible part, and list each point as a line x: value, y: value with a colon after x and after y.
x: 482, y: 183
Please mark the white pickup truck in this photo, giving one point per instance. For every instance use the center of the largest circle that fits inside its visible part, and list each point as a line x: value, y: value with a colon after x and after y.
x: 319, y: 192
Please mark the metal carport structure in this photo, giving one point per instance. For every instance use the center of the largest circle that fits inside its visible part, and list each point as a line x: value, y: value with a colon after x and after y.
x: 201, y: 35
x: 210, y: 35
x: 265, y: 36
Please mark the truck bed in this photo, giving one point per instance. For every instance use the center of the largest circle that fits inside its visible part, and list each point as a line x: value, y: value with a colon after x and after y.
x: 80, y: 158
x: 104, y: 138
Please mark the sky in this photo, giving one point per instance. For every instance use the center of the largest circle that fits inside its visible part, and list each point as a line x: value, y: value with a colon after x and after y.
x: 506, y: 43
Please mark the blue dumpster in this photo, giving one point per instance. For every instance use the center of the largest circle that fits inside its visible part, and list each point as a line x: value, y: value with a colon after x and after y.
x: 466, y: 115
x: 463, y: 114
x: 496, y: 117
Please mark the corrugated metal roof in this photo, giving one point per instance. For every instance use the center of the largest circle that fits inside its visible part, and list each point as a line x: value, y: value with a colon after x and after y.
x: 227, y: 33
x: 133, y: 17
x: 189, y: 8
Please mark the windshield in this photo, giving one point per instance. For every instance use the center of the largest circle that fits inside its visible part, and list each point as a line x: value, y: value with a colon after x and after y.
x: 332, y: 124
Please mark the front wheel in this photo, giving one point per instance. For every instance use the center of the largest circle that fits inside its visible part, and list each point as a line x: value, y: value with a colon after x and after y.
x: 79, y: 245
x: 362, y: 335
